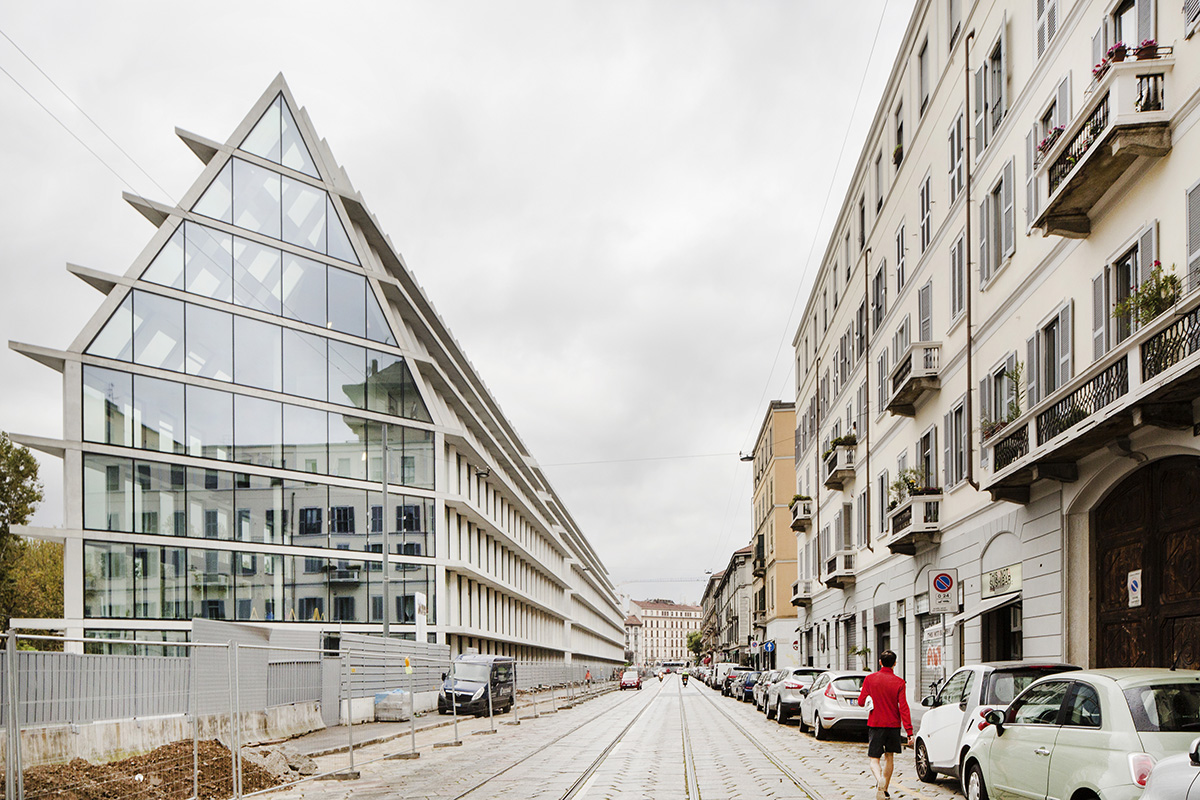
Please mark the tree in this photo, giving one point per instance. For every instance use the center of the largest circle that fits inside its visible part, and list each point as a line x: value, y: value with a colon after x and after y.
x: 20, y: 493
x: 695, y: 641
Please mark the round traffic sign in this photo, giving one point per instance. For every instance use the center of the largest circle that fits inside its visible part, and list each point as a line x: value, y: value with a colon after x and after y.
x: 796, y: 645
x: 943, y: 582
x: 769, y: 647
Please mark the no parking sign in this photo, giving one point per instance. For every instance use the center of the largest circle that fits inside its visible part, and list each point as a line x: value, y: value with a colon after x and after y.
x: 943, y: 591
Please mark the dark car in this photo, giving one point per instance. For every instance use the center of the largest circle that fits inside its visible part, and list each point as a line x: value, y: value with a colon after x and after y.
x: 730, y: 677
x: 746, y: 686
x: 469, y: 681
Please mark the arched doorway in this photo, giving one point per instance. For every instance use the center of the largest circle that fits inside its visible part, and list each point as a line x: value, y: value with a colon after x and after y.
x: 1151, y: 523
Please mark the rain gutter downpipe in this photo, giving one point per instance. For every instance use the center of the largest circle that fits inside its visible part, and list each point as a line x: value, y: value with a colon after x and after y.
x: 969, y: 406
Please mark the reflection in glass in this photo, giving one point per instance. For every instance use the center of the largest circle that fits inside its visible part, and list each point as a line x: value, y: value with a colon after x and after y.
x: 305, y: 432
x: 167, y: 267
x: 216, y: 202
x: 304, y: 290
x: 108, y: 580
x: 348, y: 518
x: 304, y: 370
x: 209, y: 423
x: 158, y: 415
x: 410, y: 524
x: 159, y: 492
x: 347, y: 374
x: 387, y: 378
x: 257, y: 431
x: 107, y: 406
x: 377, y: 324
x: 347, y: 302
x: 209, y: 585
x: 339, y: 243
x: 416, y: 467
x: 303, y: 215
x: 115, y: 339
x: 264, y: 139
x: 347, y: 591
x: 209, y: 503
x: 107, y: 493
x: 257, y: 354
x: 257, y: 276
x: 306, y: 504
x: 160, y: 582
x: 293, y: 152
x: 209, y: 342
x: 312, y: 589
x: 256, y: 198
x: 261, y: 586
x: 347, y: 446
x: 157, y: 331
x: 208, y: 262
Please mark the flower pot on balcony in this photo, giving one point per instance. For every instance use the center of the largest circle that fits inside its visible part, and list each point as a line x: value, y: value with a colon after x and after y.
x: 1117, y: 52
x: 1147, y: 52
x: 898, y: 154
x: 1101, y: 69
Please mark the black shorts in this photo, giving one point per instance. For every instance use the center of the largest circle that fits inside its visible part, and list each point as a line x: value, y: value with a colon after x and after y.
x: 882, y: 740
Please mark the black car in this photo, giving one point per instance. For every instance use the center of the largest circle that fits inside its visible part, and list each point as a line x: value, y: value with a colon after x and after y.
x: 468, y: 683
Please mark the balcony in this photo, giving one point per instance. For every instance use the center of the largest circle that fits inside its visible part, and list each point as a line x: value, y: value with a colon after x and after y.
x: 802, y: 593
x: 915, y: 374
x: 211, y: 580
x: 345, y: 576
x: 839, y: 569
x: 915, y: 523
x: 839, y: 466
x: 802, y: 516
x: 759, y: 567
x: 1125, y: 115
x: 1150, y: 379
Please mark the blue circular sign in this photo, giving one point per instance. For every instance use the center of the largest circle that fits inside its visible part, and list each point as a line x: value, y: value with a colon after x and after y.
x: 943, y: 582
x: 769, y: 647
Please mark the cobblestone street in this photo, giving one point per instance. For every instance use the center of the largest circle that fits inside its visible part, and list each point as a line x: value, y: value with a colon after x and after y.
x: 663, y: 742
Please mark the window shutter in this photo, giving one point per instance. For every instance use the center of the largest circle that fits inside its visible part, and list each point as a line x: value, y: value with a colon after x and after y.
x: 985, y: 268
x: 1031, y: 143
x: 1002, y: 101
x: 925, y: 306
x: 1147, y: 251
x: 1064, y: 344
x: 848, y: 521
x: 1145, y: 20
x: 1062, y: 106
x: 985, y: 400
x: 980, y: 109
x: 1051, y: 20
x: 1193, y: 237
x: 1031, y: 370
x: 1009, y: 392
x: 1042, y: 37
x: 1009, y: 214
x: 836, y: 533
x: 933, y: 443
x: 947, y: 456
x: 1099, y: 315
x: 1098, y: 46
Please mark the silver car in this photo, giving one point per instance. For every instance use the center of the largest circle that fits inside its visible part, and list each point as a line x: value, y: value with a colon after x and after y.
x: 832, y: 704
x: 785, y: 694
x: 763, y: 685
x: 1175, y: 777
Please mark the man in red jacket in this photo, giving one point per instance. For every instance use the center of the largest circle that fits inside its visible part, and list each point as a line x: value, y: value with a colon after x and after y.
x: 883, y: 694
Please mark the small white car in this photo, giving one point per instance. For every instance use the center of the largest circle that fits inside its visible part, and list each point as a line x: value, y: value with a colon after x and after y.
x: 832, y: 704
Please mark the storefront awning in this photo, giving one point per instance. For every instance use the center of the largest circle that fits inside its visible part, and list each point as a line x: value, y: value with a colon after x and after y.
x: 991, y: 604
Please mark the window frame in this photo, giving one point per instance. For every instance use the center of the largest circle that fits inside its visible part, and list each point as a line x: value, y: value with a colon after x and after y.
x: 925, y: 197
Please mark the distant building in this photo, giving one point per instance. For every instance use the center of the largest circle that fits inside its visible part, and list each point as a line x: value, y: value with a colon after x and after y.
x: 633, y: 641
x: 726, y: 610
x: 665, y: 629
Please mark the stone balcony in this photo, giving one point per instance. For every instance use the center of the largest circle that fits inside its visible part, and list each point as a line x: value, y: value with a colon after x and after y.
x: 802, y: 516
x: 839, y: 569
x: 802, y: 593
x: 839, y: 466
x: 1125, y: 115
x: 916, y: 373
x: 914, y: 524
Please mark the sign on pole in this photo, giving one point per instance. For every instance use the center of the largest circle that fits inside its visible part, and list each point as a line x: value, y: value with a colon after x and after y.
x: 943, y: 591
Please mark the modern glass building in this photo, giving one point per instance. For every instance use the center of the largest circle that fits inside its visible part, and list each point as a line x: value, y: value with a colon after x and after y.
x: 262, y: 394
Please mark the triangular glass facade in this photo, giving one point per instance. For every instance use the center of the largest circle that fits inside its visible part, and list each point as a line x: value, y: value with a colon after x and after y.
x: 277, y: 139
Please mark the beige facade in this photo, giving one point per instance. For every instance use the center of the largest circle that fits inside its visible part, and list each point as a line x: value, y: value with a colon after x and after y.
x: 664, y: 630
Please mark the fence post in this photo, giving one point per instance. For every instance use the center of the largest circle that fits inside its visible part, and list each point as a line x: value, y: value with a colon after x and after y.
x: 195, y: 727
x: 231, y: 666
x: 349, y: 709
x: 412, y: 704
x: 14, y: 780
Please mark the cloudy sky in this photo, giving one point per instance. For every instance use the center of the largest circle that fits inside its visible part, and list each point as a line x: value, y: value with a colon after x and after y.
x: 615, y: 206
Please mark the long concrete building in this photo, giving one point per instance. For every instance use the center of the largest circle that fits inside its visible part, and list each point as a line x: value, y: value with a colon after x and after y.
x: 995, y: 379
x: 265, y: 397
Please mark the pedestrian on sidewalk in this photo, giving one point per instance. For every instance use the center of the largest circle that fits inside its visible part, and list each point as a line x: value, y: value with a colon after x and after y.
x: 884, y: 696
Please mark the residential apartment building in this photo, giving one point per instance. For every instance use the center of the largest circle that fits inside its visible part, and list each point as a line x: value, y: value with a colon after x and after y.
x: 725, y: 610
x: 972, y: 391
x: 265, y: 398
x: 774, y: 563
x: 664, y: 630
x: 633, y: 641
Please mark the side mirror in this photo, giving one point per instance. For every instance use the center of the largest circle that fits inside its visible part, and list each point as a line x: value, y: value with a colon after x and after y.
x: 804, y: 692
x: 929, y: 701
x: 994, y: 717
x: 443, y: 676
x: 1195, y: 753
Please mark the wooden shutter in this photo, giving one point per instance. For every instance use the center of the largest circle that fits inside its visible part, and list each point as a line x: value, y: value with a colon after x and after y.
x: 1031, y: 369
x: 980, y: 109
x: 1147, y: 251
x: 947, y: 456
x: 1064, y: 344
x: 1051, y: 20
x: 1193, y: 237
x: 1145, y: 21
x: 1008, y: 217
x: 985, y: 267
x: 925, y: 311
x: 1031, y: 143
x: 1062, y: 105
x: 1009, y: 392
x: 985, y: 400
x: 1042, y: 37
x: 1099, y: 317
x: 1002, y: 99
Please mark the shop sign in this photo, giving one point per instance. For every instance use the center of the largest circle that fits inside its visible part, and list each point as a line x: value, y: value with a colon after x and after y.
x: 1001, y: 581
x: 933, y: 655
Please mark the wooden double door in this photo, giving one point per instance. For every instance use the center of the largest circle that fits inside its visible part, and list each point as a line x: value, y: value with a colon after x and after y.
x: 1151, y: 523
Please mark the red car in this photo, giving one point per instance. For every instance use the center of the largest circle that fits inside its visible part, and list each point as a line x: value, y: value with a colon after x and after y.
x: 630, y: 679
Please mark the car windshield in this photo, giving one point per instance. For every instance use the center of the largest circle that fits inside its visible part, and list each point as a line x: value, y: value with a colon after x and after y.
x: 1166, y: 707
x: 466, y: 671
x: 1007, y: 684
x: 629, y: 673
x: 852, y: 683
x: 804, y: 678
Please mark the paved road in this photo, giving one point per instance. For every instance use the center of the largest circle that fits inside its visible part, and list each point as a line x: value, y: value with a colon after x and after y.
x: 664, y: 742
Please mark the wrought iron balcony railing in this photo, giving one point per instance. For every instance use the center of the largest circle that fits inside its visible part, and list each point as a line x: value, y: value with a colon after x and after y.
x: 839, y: 466
x: 802, y: 592
x: 916, y: 372
x: 839, y: 569
x: 801, y: 515
x: 914, y: 523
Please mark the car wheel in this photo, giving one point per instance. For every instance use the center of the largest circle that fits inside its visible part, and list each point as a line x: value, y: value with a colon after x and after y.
x: 819, y: 733
x: 924, y: 771
x: 976, y: 790
x: 781, y: 715
x: 772, y: 711
x: 800, y: 720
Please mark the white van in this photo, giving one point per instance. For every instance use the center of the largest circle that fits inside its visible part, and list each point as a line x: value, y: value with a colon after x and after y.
x: 716, y: 678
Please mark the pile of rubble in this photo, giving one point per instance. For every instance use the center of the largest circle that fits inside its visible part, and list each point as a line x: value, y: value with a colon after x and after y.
x: 284, y: 762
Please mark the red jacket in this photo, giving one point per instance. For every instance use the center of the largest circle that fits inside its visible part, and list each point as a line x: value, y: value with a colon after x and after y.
x: 889, y: 705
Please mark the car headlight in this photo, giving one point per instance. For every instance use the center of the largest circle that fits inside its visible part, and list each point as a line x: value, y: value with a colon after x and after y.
x: 478, y: 693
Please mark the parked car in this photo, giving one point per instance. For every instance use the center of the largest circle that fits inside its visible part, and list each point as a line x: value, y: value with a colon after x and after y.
x: 719, y: 672
x: 951, y: 720
x: 1176, y: 777
x: 729, y: 678
x: 1087, y: 733
x: 763, y: 685
x: 832, y: 704
x: 630, y: 679
x: 745, y: 686
x: 785, y: 694
x: 472, y: 678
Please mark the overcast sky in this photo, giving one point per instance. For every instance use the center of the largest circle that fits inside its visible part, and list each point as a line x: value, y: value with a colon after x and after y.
x: 611, y: 204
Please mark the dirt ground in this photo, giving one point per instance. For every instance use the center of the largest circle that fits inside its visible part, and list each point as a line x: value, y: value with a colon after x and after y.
x: 166, y: 774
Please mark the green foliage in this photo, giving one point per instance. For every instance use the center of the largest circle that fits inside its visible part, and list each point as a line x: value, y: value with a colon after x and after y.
x: 1016, y: 377
x: 798, y: 498
x: 908, y: 481
x: 1155, y: 295
x: 695, y: 641
x: 20, y: 494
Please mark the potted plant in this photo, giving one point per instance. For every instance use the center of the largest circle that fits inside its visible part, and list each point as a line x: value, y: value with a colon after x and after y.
x: 798, y: 498
x: 1148, y: 49
x: 1117, y: 52
x: 1048, y: 142
x: 1101, y: 68
x: 864, y: 653
x: 898, y: 154
x: 1156, y: 294
x: 909, y: 481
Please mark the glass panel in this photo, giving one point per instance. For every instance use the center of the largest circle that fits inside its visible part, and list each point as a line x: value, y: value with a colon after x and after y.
x: 167, y: 266
x: 304, y: 290
x: 347, y: 446
x: 159, y: 498
x: 407, y: 581
x: 257, y: 276
x: 306, y: 504
x: 260, y: 515
x: 107, y: 406
x: 108, y: 580
x: 209, y: 503
x: 261, y: 587
x: 410, y: 524
x: 263, y: 140
x: 416, y: 468
x: 157, y: 331
x: 209, y: 423
x: 107, y: 493
x: 257, y: 354
x: 347, y: 373
x: 160, y: 582
x: 348, y: 518
x: 305, y: 432
x: 377, y: 325
x: 258, y: 431
x: 303, y: 215
x: 385, y: 382
x: 339, y: 242
x: 312, y: 589
x: 115, y: 339
x: 347, y: 302
x: 1040, y: 705
x: 256, y: 198
x: 347, y: 581
x: 158, y: 415
x: 304, y: 360
x: 295, y: 154
x: 215, y: 202
x: 209, y: 342
x: 414, y: 405
x: 208, y: 262
x: 209, y: 584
